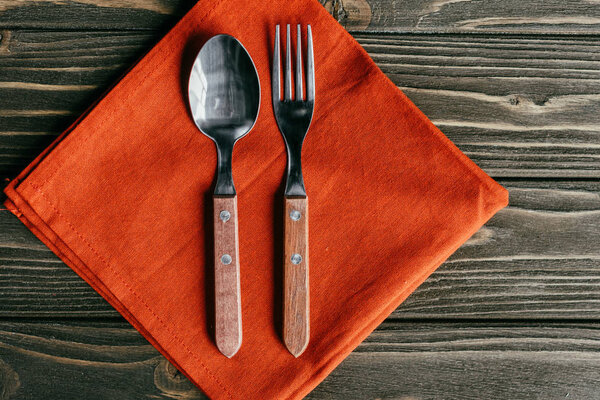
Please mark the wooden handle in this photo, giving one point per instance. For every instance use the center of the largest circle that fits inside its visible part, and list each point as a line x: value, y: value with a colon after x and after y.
x: 228, y: 306
x: 296, y: 329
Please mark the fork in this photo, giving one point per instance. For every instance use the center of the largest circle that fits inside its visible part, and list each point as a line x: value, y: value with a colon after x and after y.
x: 293, y: 118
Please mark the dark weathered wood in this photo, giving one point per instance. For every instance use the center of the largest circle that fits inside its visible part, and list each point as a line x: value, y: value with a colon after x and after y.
x: 92, y: 14
x: 537, y: 259
x: 516, y: 106
x: 507, y: 16
x: 470, y: 361
x: 49, y: 78
x: 525, y: 263
x: 536, y: 16
x: 399, y: 360
x: 228, y: 299
x: 296, y: 302
x: 99, y: 360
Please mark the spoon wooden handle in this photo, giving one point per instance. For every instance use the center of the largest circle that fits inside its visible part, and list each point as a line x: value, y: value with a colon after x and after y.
x: 228, y: 307
x: 296, y: 329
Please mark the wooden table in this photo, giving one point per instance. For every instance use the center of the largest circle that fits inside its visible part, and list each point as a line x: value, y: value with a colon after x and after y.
x: 515, y: 313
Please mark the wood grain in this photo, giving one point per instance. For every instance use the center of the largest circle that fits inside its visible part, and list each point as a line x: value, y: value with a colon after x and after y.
x: 519, y: 107
x: 228, y: 298
x: 296, y: 295
x: 506, y: 16
x: 511, y: 104
x: 525, y: 263
x: 104, y: 360
x: 537, y: 259
x: 96, y: 360
x: 536, y: 16
x: 92, y: 14
x: 470, y: 361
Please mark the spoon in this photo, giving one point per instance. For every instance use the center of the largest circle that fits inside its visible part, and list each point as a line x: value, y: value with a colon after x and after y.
x: 224, y: 96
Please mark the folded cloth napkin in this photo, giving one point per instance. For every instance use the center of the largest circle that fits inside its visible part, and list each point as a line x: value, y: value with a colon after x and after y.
x: 124, y: 196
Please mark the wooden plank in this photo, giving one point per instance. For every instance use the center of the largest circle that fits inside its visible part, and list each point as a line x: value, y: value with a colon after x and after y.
x: 525, y: 263
x: 537, y: 259
x: 92, y: 14
x: 92, y: 361
x: 517, y: 106
x: 470, y: 361
x: 97, y: 360
x: 492, y: 16
x: 535, y: 16
x: 49, y: 78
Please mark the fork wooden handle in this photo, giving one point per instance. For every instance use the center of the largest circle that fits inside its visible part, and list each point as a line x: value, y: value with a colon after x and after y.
x: 228, y: 306
x: 296, y: 316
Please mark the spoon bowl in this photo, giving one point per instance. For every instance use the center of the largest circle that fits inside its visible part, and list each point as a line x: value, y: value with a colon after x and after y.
x: 224, y: 97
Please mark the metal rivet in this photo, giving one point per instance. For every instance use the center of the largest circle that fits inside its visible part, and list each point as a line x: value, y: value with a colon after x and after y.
x: 295, y: 215
x: 224, y: 215
x: 226, y: 259
x: 296, y: 259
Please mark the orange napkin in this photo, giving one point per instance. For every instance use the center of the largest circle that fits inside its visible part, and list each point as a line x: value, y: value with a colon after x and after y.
x: 123, y: 197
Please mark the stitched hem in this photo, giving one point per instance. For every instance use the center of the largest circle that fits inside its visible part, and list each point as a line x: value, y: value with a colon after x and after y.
x: 15, y: 204
x: 364, y: 331
x: 465, y: 161
x: 131, y: 290
x: 59, y: 145
x: 14, y: 198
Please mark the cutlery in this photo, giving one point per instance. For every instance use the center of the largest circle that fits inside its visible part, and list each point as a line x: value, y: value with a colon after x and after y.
x: 224, y: 98
x: 293, y: 118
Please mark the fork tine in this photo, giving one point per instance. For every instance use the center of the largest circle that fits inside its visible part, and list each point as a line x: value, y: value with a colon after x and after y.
x: 288, y: 66
x: 299, y: 96
x: 275, y: 72
x: 310, y: 67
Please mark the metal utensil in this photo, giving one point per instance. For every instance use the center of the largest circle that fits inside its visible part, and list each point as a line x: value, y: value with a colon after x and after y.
x: 224, y: 96
x: 293, y: 118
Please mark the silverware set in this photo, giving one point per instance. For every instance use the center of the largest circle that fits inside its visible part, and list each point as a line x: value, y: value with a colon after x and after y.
x: 224, y: 97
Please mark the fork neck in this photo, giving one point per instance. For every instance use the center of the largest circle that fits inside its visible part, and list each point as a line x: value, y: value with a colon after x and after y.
x: 294, y: 183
